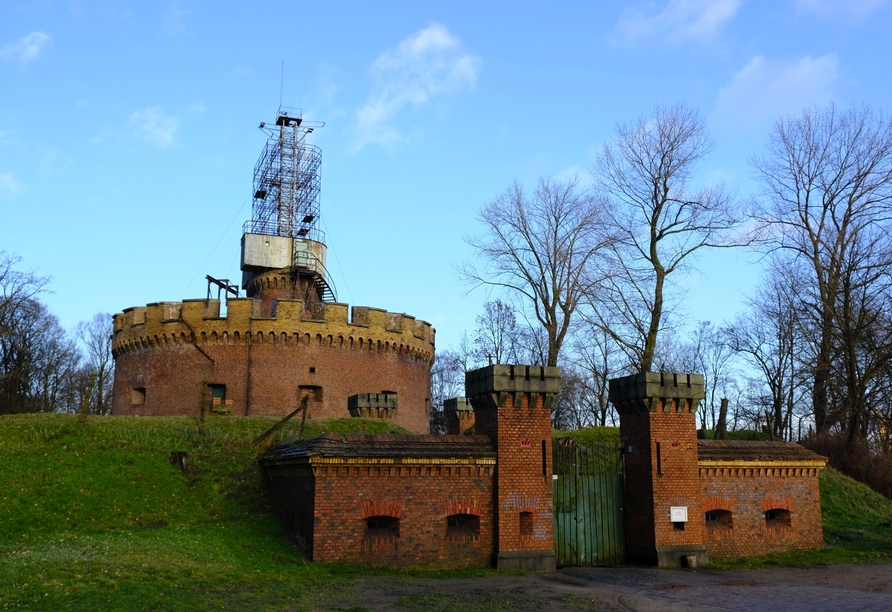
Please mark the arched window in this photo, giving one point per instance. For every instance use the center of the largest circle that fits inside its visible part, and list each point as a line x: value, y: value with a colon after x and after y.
x: 382, y: 528
x: 719, y: 519
x: 462, y: 526
x: 777, y: 518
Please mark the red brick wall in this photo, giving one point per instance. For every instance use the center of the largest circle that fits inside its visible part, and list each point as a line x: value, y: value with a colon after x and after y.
x: 172, y: 375
x: 651, y: 489
x: 420, y: 496
x: 523, y: 483
x: 747, y: 493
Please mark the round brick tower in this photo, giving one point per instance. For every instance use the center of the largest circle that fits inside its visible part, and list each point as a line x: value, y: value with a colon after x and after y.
x: 289, y: 338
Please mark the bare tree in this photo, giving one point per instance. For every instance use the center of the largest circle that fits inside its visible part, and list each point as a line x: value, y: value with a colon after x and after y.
x: 595, y: 355
x: 709, y: 352
x: 495, y: 337
x: 769, y: 337
x: 660, y: 221
x: 827, y: 201
x: 96, y: 337
x: 447, y: 381
x: 541, y: 247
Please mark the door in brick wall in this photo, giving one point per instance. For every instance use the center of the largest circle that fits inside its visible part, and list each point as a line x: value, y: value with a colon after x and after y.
x: 588, y: 505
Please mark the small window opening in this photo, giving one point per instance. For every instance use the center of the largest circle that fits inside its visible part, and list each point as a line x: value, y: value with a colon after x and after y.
x: 462, y: 526
x: 138, y: 396
x: 777, y: 518
x: 218, y: 394
x: 382, y: 527
x: 659, y: 461
x: 313, y: 391
x: 312, y: 370
x: 719, y: 519
x: 678, y: 526
x: 526, y: 523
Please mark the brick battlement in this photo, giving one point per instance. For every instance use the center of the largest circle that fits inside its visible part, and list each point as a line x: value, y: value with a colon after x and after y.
x: 174, y: 323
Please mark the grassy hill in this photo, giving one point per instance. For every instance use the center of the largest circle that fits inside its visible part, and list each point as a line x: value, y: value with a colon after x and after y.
x: 97, y: 517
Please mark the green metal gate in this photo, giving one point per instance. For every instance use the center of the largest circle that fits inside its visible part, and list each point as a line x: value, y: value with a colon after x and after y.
x: 588, y: 505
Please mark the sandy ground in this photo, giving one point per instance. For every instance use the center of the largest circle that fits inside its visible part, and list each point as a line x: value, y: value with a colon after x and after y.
x: 830, y: 588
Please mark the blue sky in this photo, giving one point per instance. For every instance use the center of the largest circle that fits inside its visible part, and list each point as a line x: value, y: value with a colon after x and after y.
x: 128, y: 130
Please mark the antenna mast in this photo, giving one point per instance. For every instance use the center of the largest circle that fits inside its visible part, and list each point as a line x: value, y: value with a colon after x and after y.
x: 286, y: 180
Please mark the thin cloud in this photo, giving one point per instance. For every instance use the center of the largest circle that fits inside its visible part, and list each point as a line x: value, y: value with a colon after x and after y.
x: 429, y: 63
x: 174, y: 18
x: 765, y: 89
x: 26, y: 48
x: 153, y: 126
x: 679, y: 21
x: 9, y: 183
x: 854, y: 10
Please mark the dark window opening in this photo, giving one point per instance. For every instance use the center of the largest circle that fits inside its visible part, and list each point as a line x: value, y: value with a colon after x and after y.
x: 526, y: 523
x: 312, y: 370
x: 544, y: 459
x: 314, y: 392
x: 138, y: 396
x: 382, y: 527
x: 659, y: 460
x: 777, y: 518
x: 218, y: 394
x: 462, y: 526
x: 678, y: 526
x: 719, y: 519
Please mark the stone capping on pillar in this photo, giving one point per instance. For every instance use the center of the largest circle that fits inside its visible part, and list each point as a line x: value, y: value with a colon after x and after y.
x: 372, y: 405
x: 490, y: 386
x: 460, y: 406
x: 653, y: 391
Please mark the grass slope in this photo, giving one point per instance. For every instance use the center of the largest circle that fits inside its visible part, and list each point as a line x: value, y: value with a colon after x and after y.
x: 96, y: 517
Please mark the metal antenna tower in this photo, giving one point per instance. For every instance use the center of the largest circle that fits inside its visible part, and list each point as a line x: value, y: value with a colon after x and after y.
x: 286, y: 180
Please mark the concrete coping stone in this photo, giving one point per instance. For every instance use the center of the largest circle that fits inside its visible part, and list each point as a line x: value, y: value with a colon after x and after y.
x: 512, y: 378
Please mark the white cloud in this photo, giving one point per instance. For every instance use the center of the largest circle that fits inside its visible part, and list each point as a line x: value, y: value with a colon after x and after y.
x: 429, y: 63
x: 838, y: 9
x: 765, y: 89
x: 154, y: 126
x: 9, y: 183
x: 680, y: 20
x: 26, y: 48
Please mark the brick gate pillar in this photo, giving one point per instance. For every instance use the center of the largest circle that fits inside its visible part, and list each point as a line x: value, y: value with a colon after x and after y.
x: 665, y: 523
x: 512, y: 405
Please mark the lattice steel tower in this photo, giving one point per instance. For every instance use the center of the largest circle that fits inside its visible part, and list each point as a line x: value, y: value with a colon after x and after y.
x: 282, y: 232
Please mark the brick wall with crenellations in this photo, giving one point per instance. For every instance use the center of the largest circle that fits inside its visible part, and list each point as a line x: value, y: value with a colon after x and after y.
x: 658, y: 428
x: 163, y: 352
x: 512, y: 405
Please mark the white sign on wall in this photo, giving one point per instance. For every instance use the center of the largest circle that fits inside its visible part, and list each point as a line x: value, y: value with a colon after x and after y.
x: 678, y: 514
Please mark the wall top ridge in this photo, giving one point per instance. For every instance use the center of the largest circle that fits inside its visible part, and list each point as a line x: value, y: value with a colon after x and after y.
x: 202, y: 315
x: 661, y: 385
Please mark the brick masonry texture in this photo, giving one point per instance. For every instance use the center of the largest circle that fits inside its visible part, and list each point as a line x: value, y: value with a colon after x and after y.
x: 326, y: 490
x: 667, y: 466
x: 268, y: 363
x: 388, y: 499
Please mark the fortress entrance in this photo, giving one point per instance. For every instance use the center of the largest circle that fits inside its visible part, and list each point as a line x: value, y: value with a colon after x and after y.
x: 589, y: 526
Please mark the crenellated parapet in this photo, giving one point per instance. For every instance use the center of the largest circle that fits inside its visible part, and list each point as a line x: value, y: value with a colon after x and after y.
x: 198, y: 322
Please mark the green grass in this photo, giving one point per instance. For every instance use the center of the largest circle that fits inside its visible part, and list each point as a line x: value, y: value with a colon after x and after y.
x: 96, y: 517
x: 604, y: 436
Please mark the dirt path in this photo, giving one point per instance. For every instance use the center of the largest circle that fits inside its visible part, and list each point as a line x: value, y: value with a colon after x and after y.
x: 833, y: 588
